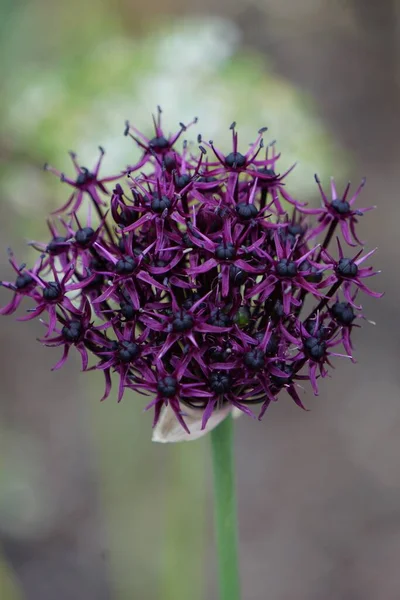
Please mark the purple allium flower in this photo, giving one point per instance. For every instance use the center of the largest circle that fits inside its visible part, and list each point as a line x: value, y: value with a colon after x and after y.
x: 189, y: 280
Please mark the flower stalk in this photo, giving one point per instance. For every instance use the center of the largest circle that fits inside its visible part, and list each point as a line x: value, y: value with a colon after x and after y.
x: 225, y: 519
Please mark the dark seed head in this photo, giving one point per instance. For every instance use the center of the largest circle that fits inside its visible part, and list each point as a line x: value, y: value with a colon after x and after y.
x: 220, y: 382
x: 211, y: 179
x: 169, y: 162
x: 292, y: 233
x: 342, y: 207
x: 125, y: 265
x: 286, y: 368
x: 98, y: 280
x: 182, y: 181
x: 72, y: 332
x: 158, y: 144
x: 182, y: 322
x: 188, y: 242
x: 23, y: 281
x: 237, y: 276
x: 158, y: 205
x: 225, y: 251
x: 246, y: 211
x: 57, y: 245
x: 167, y: 387
x: 267, y: 172
x: 84, y: 236
x: 296, y: 229
x: 235, y: 160
x: 125, y: 217
x: 219, y: 319
x: 315, y: 348
x: 52, y: 292
x: 347, y: 268
x: 311, y: 328
x: 188, y: 303
x: 127, y: 310
x: 84, y: 177
x: 272, y: 345
x: 219, y: 354
x: 127, y: 351
x: 314, y: 276
x: 286, y: 268
x: 343, y: 313
x: 254, y: 360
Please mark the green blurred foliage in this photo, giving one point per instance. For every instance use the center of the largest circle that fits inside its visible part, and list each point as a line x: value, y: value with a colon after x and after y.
x: 72, y: 73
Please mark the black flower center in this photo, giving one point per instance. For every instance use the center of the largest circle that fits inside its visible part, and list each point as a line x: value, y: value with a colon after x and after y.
x: 169, y: 162
x: 225, y: 251
x: 347, y: 268
x: 291, y: 233
x: 313, y: 276
x: 52, y: 292
x: 125, y: 217
x: 188, y: 303
x: 187, y: 240
x: 182, y: 322
x: 57, y: 245
x: 84, y: 177
x: 182, y: 181
x: 267, y: 172
x: 159, y: 143
x: 127, y: 310
x: 295, y: 229
x: 23, y: 281
x: 246, y: 211
x: 127, y: 351
x: 98, y: 279
x: 210, y: 179
x: 84, y: 236
x: 281, y: 379
x: 72, y: 332
x: 220, y: 382
x: 254, y: 360
x: 219, y: 354
x: 272, y: 344
x: 286, y: 268
x: 125, y: 265
x: 235, y: 160
x: 167, y: 386
x: 219, y: 319
x: 343, y: 313
x: 315, y: 348
x: 158, y: 205
x: 311, y: 328
x: 268, y: 178
x: 342, y: 207
x: 236, y: 275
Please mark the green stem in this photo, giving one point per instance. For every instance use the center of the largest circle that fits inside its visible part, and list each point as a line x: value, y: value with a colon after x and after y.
x: 226, y: 523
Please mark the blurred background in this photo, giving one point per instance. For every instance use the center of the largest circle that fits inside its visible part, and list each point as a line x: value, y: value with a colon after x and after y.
x: 89, y: 508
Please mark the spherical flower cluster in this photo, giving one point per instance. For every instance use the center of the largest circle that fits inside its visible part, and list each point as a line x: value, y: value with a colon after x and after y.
x: 188, y: 277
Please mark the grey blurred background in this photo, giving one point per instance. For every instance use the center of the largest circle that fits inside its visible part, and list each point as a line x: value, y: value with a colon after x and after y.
x: 89, y: 508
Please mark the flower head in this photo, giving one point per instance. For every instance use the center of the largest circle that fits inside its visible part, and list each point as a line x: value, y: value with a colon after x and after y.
x: 189, y: 280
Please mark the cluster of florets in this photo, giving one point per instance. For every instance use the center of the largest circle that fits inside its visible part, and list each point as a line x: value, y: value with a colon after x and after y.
x: 189, y: 279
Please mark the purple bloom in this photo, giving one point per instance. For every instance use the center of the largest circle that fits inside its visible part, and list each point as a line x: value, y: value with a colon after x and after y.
x: 86, y: 183
x: 188, y: 282
x: 338, y: 210
x: 346, y: 272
